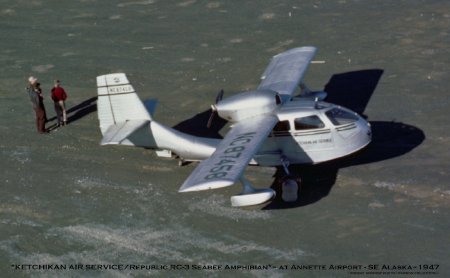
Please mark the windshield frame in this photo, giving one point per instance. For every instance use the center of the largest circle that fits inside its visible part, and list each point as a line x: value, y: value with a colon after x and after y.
x: 339, y: 116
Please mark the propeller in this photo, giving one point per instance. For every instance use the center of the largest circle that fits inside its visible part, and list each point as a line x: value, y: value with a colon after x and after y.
x: 219, y: 96
x: 214, y: 108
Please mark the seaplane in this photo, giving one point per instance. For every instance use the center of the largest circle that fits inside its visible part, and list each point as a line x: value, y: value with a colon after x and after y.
x: 278, y: 124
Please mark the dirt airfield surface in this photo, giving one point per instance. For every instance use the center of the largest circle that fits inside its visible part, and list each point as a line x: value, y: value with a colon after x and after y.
x: 67, y: 201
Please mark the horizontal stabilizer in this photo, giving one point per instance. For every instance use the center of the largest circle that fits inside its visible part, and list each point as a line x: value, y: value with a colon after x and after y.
x: 116, y: 133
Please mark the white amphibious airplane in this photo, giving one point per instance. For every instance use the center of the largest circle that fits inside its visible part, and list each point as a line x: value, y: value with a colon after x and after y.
x: 270, y: 127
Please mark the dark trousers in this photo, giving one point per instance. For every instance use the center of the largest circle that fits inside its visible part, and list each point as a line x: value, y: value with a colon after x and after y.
x: 40, y: 119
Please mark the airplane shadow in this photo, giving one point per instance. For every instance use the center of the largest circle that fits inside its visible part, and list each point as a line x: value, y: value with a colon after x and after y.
x: 197, y: 125
x: 389, y: 139
x: 354, y: 89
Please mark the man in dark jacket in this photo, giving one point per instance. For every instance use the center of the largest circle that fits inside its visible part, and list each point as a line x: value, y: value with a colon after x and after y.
x: 58, y: 97
x: 37, y: 100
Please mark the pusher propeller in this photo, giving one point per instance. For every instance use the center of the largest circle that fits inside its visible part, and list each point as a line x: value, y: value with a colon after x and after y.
x: 214, y: 109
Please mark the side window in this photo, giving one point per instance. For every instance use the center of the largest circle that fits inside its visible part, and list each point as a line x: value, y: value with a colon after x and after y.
x: 310, y: 122
x: 282, y: 126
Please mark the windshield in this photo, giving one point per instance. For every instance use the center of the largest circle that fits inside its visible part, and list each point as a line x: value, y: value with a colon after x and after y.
x: 341, y: 117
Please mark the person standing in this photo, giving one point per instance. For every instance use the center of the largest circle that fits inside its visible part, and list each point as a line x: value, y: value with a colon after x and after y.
x: 41, y: 100
x: 37, y: 100
x: 59, y: 96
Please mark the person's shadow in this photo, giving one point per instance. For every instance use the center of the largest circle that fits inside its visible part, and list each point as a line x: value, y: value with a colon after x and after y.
x: 77, y: 112
x: 389, y: 139
x: 82, y: 109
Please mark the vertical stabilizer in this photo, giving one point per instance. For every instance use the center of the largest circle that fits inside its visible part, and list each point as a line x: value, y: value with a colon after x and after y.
x: 118, y: 101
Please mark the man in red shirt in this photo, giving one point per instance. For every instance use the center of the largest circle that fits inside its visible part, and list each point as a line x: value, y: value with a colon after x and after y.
x: 58, y: 97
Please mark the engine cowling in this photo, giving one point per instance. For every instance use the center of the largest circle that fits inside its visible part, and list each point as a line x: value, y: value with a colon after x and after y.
x: 247, y: 104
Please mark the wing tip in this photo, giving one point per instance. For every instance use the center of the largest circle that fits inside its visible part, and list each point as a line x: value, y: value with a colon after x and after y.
x: 312, y: 49
x: 215, y: 184
x: 118, y: 78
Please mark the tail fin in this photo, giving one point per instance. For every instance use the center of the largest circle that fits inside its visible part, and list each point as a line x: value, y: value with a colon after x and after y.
x: 117, y: 101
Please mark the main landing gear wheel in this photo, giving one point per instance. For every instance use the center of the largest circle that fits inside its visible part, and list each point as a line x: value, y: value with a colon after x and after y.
x: 289, y: 189
x: 289, y: 185
x: 251, y: 196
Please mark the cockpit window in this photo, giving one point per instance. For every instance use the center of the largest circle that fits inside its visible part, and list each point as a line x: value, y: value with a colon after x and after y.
x: 282, y: 126
x: 310, y: 122
x: 340, y: 117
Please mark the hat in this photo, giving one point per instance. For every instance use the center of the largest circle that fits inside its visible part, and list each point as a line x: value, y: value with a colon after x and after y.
x: 32, y: 79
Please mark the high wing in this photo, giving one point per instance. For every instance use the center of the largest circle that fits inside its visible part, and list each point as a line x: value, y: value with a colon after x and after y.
x: 226, y: 165
x: 286, y: 70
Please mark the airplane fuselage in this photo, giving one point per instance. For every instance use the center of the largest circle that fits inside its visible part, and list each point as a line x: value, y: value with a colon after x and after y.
x: 307, y: 132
